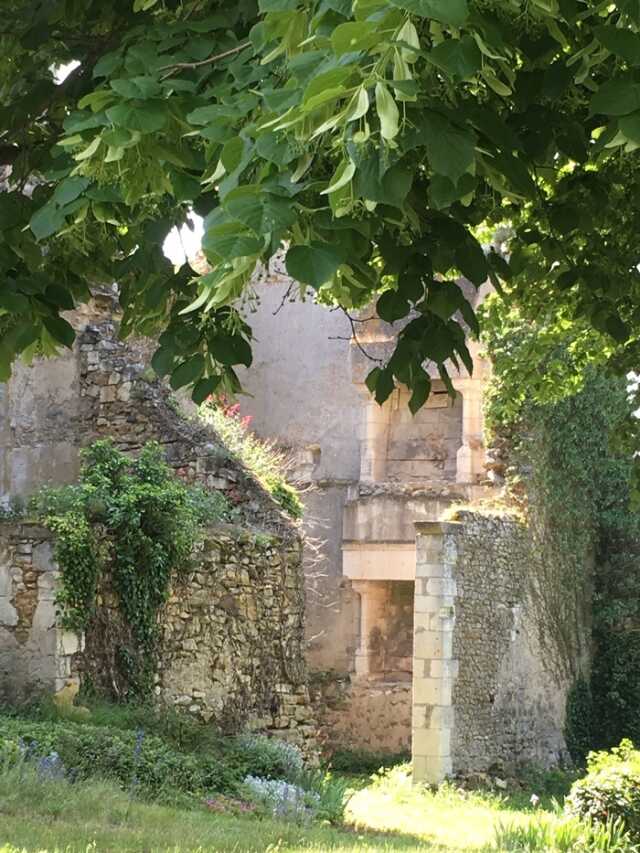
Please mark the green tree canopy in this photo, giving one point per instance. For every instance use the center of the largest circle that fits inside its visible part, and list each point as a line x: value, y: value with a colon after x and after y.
x: 374, y: 140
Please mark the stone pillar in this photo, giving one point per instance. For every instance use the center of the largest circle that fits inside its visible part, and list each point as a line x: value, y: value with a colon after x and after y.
x: 373, y: 453
x: 373, y: 598
x: 434, y: 667
x: 470, y: 457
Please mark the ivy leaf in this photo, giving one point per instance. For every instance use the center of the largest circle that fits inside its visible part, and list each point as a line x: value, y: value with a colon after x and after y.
x: 188, y: 372
x: 314, y: 265
x: 450, y: 149
x: 452, y: 12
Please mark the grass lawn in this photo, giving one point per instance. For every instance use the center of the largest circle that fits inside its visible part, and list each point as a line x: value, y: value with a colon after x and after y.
x: 387, y: 815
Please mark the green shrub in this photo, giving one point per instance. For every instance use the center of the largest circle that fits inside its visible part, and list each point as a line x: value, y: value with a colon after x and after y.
x: 332, y: 792
x: 610, y: 790
x: 165, y: 772
x: 269, y: 758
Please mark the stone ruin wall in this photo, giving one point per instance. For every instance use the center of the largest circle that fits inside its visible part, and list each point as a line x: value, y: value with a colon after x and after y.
x: 233, y: 635
x: 488, y: 695
x: 232, y: 639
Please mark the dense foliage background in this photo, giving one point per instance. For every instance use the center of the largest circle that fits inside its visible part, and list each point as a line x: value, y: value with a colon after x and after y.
x: 370, y: 139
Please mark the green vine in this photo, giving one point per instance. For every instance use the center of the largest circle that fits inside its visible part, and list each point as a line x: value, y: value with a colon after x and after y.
x: 568, y: 427
x: 122, y: 534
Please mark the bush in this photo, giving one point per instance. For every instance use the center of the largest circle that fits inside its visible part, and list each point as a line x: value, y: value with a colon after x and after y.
x: 161, y: 770
x: 270, y: 758
x: 610, y: 790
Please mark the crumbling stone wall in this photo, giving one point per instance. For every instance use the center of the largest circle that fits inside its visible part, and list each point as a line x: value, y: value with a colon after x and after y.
x: 233, y: 637
x: 35, y: 653
x: 121, y: 398
x: 487, y: 694
x: 232, y: 633
x: 232, y: 647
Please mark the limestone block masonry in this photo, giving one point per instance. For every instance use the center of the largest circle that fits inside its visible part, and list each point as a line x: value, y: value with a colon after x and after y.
x: 484, y: 697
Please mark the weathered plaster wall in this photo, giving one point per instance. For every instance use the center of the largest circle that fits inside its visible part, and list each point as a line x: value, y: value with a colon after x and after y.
x: 39, y: 426
x: 486, y: 695
x: 424, y: 446
x: 302, y: 395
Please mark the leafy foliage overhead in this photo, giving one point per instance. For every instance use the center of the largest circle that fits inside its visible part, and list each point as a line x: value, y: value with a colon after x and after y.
x: 372, y: 139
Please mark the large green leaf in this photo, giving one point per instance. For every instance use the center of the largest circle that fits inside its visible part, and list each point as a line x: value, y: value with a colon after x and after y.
x: 622, y: 42
x: 450, y: 149
x: 188, y: 372
x: 314, y: 265
x: 460, y: 58
x: 47, y: 221
x: 227, y: 242
x: 262, y: 211
x: 60, y: 330
x: 352, y: 36
x: 147, y: 116
x: 230, y: 349
x: 616, y: 97
x: 471, y: 261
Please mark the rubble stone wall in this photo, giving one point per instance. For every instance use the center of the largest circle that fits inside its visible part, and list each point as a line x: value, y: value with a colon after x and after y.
x: 232, y: 632
x: 362, y: 715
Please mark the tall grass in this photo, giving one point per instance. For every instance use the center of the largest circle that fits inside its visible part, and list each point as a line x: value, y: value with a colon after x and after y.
x: 267, y: 463
x: 550, y: 834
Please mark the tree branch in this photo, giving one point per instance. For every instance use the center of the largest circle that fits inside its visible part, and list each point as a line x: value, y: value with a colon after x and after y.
x: 182, y: 65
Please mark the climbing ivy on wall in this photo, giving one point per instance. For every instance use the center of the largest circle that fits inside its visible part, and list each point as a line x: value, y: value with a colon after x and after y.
x: 568, y: 425
x: 122, y: 534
